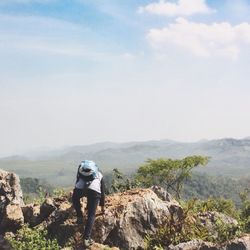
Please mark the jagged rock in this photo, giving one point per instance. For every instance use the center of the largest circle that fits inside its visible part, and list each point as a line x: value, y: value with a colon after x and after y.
x: 173, y: 205
x: 129, y: 217
x: 242, y: 243
x: 31, y: 214
x: 47, y: 208
x: 211, y: 219
x: 4, y: 244
x: 237, y: 244
x: 194, y: 245
x: 11, y: 200
x: 12, y: 218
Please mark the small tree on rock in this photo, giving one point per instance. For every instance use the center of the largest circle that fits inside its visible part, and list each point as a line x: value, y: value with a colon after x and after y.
x: 169, y: 173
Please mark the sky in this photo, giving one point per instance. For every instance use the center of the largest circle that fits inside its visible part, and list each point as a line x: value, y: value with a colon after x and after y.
x: 75, y: 72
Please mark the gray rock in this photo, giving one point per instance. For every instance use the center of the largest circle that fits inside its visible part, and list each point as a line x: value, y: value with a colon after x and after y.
x: 4, y: 244
x: 242, y: 243
x: 31, y: 213
x: 11, y: 200
x: 194, y: 245
x: 128, y: 218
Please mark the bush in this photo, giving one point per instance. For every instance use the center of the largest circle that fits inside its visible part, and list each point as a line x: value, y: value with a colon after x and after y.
x: 177, y: 229
x: 32, y: 239
x: 220, y: 205
x: 245, y: 211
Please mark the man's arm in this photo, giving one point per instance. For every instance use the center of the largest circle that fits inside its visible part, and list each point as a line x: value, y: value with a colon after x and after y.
x: 77, y: 175
x: 102, y: 201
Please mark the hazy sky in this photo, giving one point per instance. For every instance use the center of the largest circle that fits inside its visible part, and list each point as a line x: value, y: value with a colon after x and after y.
x: 85, y: 71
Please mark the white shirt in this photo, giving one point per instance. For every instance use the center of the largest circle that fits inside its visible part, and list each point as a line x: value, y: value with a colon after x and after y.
x: 94, y: 185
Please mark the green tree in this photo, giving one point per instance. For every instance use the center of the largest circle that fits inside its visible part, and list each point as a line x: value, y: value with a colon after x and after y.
x: 169, y: 173
x: 120, y: 182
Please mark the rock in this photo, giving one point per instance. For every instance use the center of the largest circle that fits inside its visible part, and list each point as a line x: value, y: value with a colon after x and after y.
x: 211, y: 219
x: 128, y: 218
x: 11, y: 200
x: 4, y: 244
x: 173, y: 205
x: 47, y: 208
x: 242, y: 243
x: 194, y: 245
x: 95, y: 246
x: 12, y: 218
x: 31, y: 214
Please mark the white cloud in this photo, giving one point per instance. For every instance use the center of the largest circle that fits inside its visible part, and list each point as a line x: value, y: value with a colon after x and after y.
x: 217, y: 39
x: 181, y: 8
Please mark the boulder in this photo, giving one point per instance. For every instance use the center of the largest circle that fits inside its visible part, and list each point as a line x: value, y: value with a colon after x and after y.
x: 12, y: 218
x: 211, y: 219
x: 194, y: 245
x: 4, y: 244
x: 31, y: 213
x: 128, y: 218
x: 242, y: 243
x: 11, y: 201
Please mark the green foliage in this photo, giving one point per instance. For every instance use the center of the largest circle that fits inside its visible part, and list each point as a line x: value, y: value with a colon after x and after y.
x: 169, y: 173
x: 121, y: 183
x: 32, y: 239
x: 33, y: 185
x: 225, y: 232
x: 34, y: 189
x: 245, y: 211
x: 203, y: 187
x: 178, y: 229
x: 58, y: 192
x: 40, y: 198
x: 220, y: 205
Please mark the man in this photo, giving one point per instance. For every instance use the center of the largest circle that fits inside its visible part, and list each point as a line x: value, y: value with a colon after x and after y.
x: 89, y: 183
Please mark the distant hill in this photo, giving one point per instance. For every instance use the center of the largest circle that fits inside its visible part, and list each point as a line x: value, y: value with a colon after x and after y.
x: 229, y: 157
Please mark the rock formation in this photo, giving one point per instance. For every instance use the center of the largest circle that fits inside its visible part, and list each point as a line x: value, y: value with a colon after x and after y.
x: 128, y: 218
x: 11, y: 201
x: 242, y: 243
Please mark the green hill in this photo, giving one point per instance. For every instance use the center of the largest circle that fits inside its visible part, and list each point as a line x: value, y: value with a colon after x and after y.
x: 229, y: 157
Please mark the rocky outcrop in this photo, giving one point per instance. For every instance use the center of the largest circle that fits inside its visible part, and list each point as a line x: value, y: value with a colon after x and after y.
x: 237, y: 244
x: 11, y: 201
x: 128, y: 218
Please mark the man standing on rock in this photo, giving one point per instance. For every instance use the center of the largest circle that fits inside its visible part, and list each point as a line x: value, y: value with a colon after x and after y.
x: 89, y: 183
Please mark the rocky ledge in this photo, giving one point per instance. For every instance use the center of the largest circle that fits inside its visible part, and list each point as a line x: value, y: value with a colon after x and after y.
x: 128, y: 218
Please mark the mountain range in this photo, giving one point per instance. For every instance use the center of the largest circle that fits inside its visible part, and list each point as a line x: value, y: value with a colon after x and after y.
x: 228, y: 157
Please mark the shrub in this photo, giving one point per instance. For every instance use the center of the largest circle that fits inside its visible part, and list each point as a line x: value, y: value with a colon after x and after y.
x: 177, y: 229
x: 32, y: 239
x: 245, y: 211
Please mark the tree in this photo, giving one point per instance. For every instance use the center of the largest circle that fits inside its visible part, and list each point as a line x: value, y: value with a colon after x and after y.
x: 169, y: 173
x: 120, y: 182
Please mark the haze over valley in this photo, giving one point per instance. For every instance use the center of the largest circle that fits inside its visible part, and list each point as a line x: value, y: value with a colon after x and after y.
x: 228, y: 157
